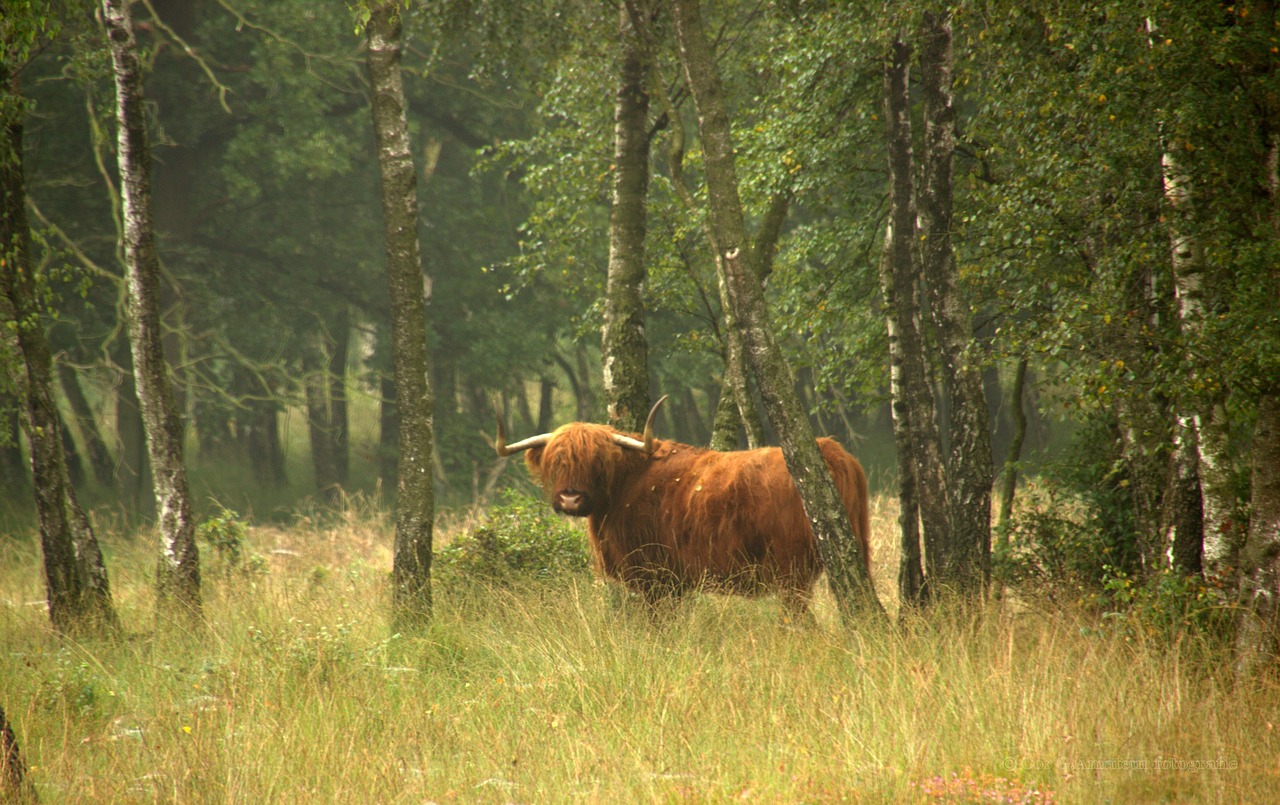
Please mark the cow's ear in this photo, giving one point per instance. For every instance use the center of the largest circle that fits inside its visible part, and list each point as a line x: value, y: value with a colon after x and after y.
x: 533, y: 458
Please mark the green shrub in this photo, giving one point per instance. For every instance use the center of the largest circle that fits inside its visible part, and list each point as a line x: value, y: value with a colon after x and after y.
x: 1167, y: 606
x: 226, y: 534
x: 519, y: 538
x: 1051, y: 542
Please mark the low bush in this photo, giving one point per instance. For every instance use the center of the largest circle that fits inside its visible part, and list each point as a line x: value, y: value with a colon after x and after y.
x: 521, y: 538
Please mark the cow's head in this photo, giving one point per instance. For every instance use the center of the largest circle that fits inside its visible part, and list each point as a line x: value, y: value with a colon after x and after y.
x: 578, y: 463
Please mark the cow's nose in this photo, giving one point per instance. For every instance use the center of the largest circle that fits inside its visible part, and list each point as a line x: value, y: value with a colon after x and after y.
x: 570, y: 500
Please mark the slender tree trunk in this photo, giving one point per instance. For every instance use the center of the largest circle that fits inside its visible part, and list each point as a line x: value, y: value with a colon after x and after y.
x: 75, y: 575
x: 1258, y: 635
x: 133, y: 468
x: 725, y: 423
x: 846, y: 567
x: 178, y: 574
x: 624, y: 348
x: 965, y: 565
x: 735, y: 409
x: 316, y: 386
x: 339, y: 420
x: 260, y: 440
x: 922, y: 485
x: 388, y: 430
x: 546, y: 387
x: 14, y: 785
x: 586, y: 397
x: 736, y: 376
x: 70, y: 453
x: 415, y: 503
x: 95, y: 446
x: 1009, y: 473
x: 14, y: 482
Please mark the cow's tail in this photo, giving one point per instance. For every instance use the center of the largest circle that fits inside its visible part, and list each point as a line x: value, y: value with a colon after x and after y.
x: 864, y: 516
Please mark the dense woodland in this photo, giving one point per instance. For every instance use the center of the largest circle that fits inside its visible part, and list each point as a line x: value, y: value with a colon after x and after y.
x: 1022, y: 257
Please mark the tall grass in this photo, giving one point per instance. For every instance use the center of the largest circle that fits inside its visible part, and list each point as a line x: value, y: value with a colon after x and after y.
x: 555, y: 692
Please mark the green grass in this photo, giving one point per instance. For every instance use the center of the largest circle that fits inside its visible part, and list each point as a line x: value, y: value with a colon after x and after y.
x: 554, y: 692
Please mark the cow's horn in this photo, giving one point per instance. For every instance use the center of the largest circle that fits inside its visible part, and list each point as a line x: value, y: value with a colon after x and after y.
x: 504, y: 449
x: 648, y: 425
x: 627, y: 442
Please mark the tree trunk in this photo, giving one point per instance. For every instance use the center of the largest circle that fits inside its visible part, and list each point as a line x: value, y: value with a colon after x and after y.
x: 624, y: 348
x: 1009, y: 473
x: 965, y: 562
x: 736, y: 376
x: 1258, y: 636
x: 133, y: 469
x: 726, y: 423
x: 99, y: 455
x: 260, y: 436
x: 846, y: 568
x: 14, y: 482
x: 316, y: 386
x: 546, y: 387
x: 1198, y: 506
x: 388, y: 430
x: 178, y: 574
x: 70, y: 453
x: 339, y: 419
x: 1143, y: 422
x: 14, y: 785
x: 79, y: 595
x: 915, y: 437
x: 415, y: 504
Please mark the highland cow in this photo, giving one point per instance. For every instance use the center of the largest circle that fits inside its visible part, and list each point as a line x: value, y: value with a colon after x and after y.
x: 665, y: 517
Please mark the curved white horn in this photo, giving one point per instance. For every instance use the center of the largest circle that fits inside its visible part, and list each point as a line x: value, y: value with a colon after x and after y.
x: 504, y: 449
x: 628, y: 442
x: 648, y: 425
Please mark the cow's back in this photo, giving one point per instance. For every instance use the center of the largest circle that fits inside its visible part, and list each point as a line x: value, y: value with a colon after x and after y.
x: 731, y: 519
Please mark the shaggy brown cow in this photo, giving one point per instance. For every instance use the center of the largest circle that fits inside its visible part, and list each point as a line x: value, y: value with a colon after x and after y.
x: 665, y: 517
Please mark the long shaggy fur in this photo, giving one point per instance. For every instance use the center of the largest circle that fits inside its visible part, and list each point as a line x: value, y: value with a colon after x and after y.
x: 686, y: 516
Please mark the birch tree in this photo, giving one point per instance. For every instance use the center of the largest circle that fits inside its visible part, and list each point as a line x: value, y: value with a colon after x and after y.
x: 415, y: 501
x: 846, y: 571
x: 178, y: 574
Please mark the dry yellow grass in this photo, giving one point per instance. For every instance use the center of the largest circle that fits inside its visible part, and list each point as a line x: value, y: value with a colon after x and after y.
x: 553, y: 693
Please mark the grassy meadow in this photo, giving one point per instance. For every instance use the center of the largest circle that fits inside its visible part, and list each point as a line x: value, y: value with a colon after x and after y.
x: 556, y: 691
